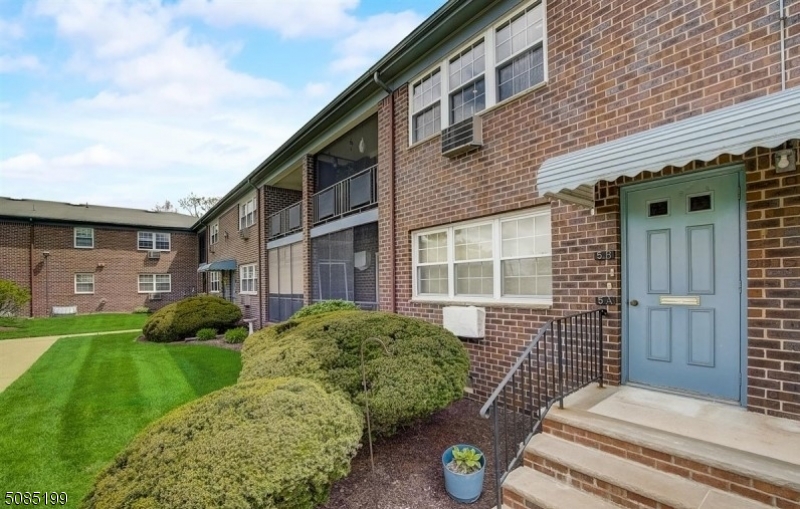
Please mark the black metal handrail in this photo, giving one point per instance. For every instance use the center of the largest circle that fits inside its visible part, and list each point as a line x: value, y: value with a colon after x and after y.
x: 351, y: 195
x: 285, y: 222
x: 564, y: 356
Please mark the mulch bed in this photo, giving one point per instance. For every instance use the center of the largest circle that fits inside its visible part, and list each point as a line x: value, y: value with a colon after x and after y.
x: 408, y: 466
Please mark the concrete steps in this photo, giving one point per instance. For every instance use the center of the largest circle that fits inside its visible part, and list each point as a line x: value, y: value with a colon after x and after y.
x: 584, y: 459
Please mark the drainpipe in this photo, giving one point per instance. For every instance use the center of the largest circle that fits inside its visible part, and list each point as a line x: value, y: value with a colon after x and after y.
x: 392, y: 215
x: 261, y: 225
x: 782, y: 9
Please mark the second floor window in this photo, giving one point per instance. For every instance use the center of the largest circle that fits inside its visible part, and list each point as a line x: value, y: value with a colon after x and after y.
x: 214, y: 233
x: 520, y: 53
x: 467, y: 83
x: 247, y: 214
x: 426, y: 117
x: 154, y: 241
x: 84, y: 238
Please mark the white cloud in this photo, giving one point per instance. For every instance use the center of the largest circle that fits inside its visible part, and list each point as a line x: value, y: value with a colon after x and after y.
x: 20, y: 63
x: 63, y: 168
x: 290, y: 18
x: 372, y: 38
x: 314, y: 89
x: 10, y: 30
x: 109, y: 28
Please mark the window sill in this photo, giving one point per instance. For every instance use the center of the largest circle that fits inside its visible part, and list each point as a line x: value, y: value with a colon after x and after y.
x: 159, y: 250
x: 84, y: 247
x: 247, y: 293
x: 526, y: 304
x: 159, y: 291
x: 84, y: 293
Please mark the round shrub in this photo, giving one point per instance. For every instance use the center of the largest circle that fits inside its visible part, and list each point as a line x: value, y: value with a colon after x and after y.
x: 184, y: 318
x: 325, y: 306
x: 206, y: 334
x: 271, y: 444
x: 237, y: 335
x: 425, y: 370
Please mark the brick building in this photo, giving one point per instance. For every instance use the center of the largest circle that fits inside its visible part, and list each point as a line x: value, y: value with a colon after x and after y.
x: 96, y: 258
x: 539, y: 159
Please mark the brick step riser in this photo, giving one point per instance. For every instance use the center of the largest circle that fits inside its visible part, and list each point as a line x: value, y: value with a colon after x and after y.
x: 759, y: 491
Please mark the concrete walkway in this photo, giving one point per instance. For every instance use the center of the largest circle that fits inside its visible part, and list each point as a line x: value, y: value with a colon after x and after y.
x: 17, y: 355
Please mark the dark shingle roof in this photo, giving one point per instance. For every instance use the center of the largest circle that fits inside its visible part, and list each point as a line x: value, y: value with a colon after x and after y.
x: 95, y: 214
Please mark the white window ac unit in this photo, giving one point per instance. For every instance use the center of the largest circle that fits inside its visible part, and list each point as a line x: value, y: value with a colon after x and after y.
x: 465, y: 321
x: 244, y: 300
x: 153, y: 255
x: 462, y: 137
x: 155, y: 296
x: 244, y: 233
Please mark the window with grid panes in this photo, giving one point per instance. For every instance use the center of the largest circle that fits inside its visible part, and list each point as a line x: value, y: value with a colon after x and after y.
x: 519, y: 52
x: 426, y: 114
x: 84, y: 283
x: 214, y: 281
x: 505, y: 258
x: 155, y: 283
x: 84, y: 237
x: 467, y: 83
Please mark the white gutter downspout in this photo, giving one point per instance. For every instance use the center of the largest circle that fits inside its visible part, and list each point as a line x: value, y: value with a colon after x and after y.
x: 782, y: 9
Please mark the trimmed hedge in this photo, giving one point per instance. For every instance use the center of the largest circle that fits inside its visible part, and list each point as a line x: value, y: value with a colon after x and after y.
x: 425, y: 371
x: 184, y: 318
x: 325, y: 306
x: 267, y: 444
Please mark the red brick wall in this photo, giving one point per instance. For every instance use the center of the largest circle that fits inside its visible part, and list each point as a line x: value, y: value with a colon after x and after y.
x: 230, y: 246
x: 15, y: 251
x: 115, y: 262
x: 616, y: 68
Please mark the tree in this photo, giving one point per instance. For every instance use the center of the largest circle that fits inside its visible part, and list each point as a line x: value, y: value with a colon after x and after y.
x: 197, y: 205
x: 12, y: 298
x: 164, y: 207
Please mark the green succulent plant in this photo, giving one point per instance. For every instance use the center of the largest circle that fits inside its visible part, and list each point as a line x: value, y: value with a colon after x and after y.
x: 465, y: 460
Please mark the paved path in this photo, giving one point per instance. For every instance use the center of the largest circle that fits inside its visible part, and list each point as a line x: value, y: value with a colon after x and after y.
x: 17, y: 355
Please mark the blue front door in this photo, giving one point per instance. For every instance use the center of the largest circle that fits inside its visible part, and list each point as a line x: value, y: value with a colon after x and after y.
x: 683, y: 309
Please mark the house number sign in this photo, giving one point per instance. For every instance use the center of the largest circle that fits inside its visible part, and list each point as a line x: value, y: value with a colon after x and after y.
x: 605, y: 301
x: 605, y: 255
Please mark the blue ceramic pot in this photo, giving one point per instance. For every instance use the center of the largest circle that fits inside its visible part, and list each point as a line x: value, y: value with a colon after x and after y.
x: 464, y: 488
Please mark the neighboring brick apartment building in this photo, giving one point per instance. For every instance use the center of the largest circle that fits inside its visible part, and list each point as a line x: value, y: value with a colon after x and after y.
x: 96, y: 258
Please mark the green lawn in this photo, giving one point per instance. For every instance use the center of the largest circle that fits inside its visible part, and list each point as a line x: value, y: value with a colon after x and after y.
x: 86, y: 397
x: 77, y: 324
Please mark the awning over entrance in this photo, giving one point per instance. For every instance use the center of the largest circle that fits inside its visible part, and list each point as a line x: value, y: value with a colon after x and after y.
x: 217, y: 265
x: 764, y: 122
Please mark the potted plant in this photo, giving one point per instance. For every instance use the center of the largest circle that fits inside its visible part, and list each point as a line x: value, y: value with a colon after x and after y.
x: 464, y: 466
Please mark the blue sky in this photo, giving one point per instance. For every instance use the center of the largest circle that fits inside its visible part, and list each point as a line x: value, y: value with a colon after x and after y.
x: 130, y: 103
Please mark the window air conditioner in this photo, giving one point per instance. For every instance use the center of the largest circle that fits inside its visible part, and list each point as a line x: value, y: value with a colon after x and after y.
x: 153, y: 255
x: 155, y: 296
x: 465, y: 321
x: 244, y: 233
x: 462, y: 137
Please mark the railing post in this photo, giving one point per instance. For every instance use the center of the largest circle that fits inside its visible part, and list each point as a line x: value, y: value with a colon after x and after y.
x: 497, y: 475
x: 602, y: 313
x: 559, y: 351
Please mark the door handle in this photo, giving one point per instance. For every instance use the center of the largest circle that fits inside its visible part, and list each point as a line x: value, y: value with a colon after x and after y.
x: 634, y: 303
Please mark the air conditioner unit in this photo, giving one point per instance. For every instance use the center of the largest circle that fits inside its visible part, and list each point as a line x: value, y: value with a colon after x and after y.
x: 244, y: 233
x: 462, y: 137
x: 154, y: 296
x: 153, y: 255
x: 245, y: 300
x: 465, y: 321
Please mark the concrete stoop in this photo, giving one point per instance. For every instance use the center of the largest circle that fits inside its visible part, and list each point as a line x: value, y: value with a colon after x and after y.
x: 586, y: 460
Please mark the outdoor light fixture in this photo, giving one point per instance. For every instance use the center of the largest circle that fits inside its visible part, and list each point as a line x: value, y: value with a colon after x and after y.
x: 784, y: 161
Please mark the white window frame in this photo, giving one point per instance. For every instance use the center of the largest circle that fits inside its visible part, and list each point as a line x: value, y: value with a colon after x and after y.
x: 75, y: 237
x: 75, y: 279
x: 247, y: 213
x: 154, y: 283
x: 152, y: 241
x: 248, y: 273
x: 214, y: 280
x: 490, y: 71
x: 497, y: 259
x: 214, y: 236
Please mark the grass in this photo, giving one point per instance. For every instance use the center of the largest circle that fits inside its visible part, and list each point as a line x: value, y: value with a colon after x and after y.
x: 86, y: 397
x: 76, y: 324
